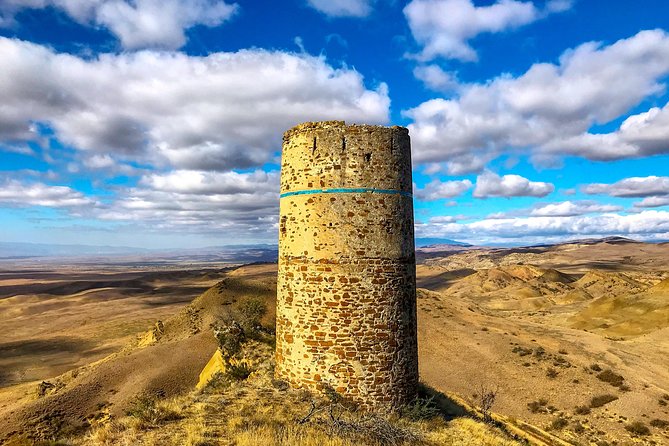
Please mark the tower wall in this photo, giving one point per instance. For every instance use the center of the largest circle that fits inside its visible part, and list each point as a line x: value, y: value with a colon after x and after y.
x: 346, y: 304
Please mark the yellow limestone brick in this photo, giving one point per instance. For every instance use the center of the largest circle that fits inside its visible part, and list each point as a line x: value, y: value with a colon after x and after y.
x: 346, y: 299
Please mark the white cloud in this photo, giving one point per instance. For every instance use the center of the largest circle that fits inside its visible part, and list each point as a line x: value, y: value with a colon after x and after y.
x: 436, y: 190
x: 550, y: 108
x: 639, y: 135
x: 208, y: 183
x: 436, y: 78
x: 137, y: 23
x: 99, y: 162
x: 20, y: 194
x: 489, y: 184
x: 652, y: 202
x: 631, y: 187
x: 241, y: 204
x: 444, y: 27
x: 572, y: 208
x: 219, y: 112
x: 646, y: 224
x: 343, y: 8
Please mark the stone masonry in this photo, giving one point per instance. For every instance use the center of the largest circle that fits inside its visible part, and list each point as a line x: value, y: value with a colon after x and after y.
x: 346, y: 304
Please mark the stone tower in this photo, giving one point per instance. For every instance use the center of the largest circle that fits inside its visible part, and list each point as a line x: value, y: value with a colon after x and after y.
x: 346, y: 299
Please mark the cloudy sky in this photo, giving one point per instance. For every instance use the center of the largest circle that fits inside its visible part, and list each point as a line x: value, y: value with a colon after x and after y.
x: 158, y: 123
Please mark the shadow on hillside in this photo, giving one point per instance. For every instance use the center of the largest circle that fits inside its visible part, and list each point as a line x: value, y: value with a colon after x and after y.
x: 443, y: 280
x: 448, y: 408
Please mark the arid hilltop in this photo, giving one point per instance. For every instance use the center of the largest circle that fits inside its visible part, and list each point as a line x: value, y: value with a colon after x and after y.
x: 573, y: 339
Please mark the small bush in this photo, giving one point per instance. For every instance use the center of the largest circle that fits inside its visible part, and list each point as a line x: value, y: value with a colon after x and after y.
x: 537, y: 406
x: 522, y: 351
x: 150, y: 413
x: 582, y: 410
x: 665, y: 396
x: 238, y: 372
x: 662, y: 402
x: 595, y: 368
x: 559, y: 423
x: 420, y: 409
x: 486, y: 397
x: 578, y: 428
x: 552, y: 373
x: 662, y: 424
x: 251, y: 313
x: 601, y: 400
x: 230, y: 337
x: 638, y: 428
x: 608, y: 376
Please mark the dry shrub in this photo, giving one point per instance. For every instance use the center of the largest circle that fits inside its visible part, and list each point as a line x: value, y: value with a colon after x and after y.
x: 582, y: 410
x: 150, y: 413
x: 486, y: 397
x: 661, y: 424
x: 559, y: 423
x: 538, y: 406
x: 601, y: 400
x: 595, y: 368
x: 638, y: 428
x: 552, y: 373
x: 608, y: 376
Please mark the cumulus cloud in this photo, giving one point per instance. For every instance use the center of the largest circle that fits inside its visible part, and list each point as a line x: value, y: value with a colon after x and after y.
x: 444, y: 27
x: 631, y: 187
x: 639, y: 135
x: 549, y: 109
x: 652, y: 202
x: 489, y: 184
x: 211, y: 183
x: 21, y: 194
x: 435, y: 78
x: 219, y: 112
x: 343, y: 8
x: 645, y: 224
x: 436, y: 190
x: 137, y: 23
x: 241, y: 204
x: 573, y: 208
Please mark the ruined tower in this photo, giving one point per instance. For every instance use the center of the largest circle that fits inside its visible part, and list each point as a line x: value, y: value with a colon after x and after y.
x: 346, y: 299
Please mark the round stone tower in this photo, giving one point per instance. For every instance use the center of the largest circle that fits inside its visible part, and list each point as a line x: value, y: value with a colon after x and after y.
x: 346, y: 299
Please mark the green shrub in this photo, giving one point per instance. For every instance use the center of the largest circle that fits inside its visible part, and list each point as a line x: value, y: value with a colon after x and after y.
x: 251, y: 313
x: 420, y: 409
x: 238, y: 372
x: 230, y: 336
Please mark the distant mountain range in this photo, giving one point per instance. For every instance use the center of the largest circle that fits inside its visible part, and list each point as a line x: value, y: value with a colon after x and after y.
x: 424, y: 242
x: 228, y: 253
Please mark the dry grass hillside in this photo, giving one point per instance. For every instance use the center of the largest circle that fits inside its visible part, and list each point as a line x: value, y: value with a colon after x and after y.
x: 572, y: 339
x: 145, y: 394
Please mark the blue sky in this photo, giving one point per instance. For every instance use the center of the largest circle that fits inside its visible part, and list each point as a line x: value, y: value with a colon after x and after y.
x: 158, y: 123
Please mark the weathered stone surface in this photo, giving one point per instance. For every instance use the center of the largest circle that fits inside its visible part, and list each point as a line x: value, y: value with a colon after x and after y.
x: 346, y: 304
